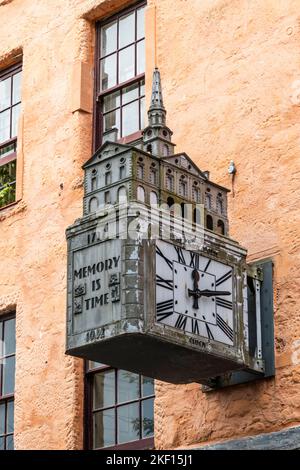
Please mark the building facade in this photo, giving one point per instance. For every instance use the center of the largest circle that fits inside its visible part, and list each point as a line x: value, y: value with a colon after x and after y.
x: 72, y: 76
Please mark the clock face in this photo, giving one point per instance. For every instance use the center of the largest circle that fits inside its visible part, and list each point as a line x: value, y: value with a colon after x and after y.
x: 194, y: 293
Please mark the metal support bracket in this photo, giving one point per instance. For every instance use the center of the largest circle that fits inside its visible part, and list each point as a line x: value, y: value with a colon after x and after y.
x: 261, y: 330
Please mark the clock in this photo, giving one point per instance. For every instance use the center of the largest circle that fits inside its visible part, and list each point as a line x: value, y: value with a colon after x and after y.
x: 194, y: 293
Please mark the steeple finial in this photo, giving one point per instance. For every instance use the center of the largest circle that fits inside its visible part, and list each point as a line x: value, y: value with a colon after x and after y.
x: 157, y: 136
x: 156, y: 97
x: 157, y: 112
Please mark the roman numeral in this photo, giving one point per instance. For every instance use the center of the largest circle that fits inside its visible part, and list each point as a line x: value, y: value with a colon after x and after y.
x: 224, y: 327
x: 160, y: 253
x: 164, y: 309
x: 194, y: 263
x: 224, y: 303
x: 195, y: 326
x: 207, y: 265
x: 209, y: 333
x: 224, y: 278
x: 181, y: 322
x: 165, y: 283
x: 180, y: 255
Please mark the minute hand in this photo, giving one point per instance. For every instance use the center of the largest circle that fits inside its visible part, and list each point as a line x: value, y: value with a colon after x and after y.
x: 213, y: 293
x: 208, y: 293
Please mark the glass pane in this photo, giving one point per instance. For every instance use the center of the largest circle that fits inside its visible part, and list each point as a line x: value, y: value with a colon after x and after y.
x: 8, y: 375
x: 128, y: 423
x: 147, y: 386
x: 9, y: 337
x: 141, y: 23
x: 128, y: 386
x: 127, y: 30
x: 111, y: 101
x: 1, y: 338
x: 2, y: 417
x: 1, y: 443
x: 15, y: 120
x: 94, y: 365
x: 10, y: 417
x: 126, y: 64
x: 5, y: 93
x: 104, y: 428
x: 4, y: 126
x: 10, y: 443
x: 130, y: 93
x: 112, y: 121
x: 141, y: 57
x: 130, y: 118
x: 7, y: 150
x: 108, y: 38
x: 142, y: 91
x: 148, y: 417
x: 104, y: 389
x: 17, y: 88
x: 142, y: 113
x: 109, y: 72
x: 7, y: 173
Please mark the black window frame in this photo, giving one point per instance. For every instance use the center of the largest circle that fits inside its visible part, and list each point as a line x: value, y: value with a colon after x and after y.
x: 99, y: 95
x: 8, y: 398
x: 12, y: 141
x: 139, y: 444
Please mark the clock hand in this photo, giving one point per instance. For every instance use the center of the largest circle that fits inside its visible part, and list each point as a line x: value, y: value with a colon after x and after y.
x: 197, y: 293
x: 213, y: 293
x: 196, y: 277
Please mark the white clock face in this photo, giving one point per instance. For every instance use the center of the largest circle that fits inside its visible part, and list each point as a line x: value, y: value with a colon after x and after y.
x: 194, y: 293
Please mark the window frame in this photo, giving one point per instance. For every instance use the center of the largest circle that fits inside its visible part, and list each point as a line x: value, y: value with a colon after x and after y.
x: 99, y: 95
x: 5, y: 399
x: 139, y: 444
x: 11, y: 157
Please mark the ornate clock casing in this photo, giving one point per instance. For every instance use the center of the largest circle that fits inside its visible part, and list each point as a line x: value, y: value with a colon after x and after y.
x: 156, y: 307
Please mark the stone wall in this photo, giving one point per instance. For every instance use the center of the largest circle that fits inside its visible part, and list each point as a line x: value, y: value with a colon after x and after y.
x: 230, y: 72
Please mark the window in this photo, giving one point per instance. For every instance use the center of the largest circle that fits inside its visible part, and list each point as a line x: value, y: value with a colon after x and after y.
x: 169, y: 182
x: 220, y: 204
x: 120, y: 74
x: 7, y: 381
x: 209, y: 222
x: 140, y: 172
x: 183, y: 187
x: 10, y: 105
x: 152, y: 176
x: 120, y: 410
x: 140, y: 194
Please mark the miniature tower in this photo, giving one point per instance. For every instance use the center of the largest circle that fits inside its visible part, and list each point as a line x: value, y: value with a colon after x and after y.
x: 157, y: 136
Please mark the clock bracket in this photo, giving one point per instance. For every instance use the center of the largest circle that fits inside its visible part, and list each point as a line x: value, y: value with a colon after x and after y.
x: 260, y: 330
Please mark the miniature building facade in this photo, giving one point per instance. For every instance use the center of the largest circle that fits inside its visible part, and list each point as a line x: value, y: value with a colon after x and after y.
x: 149, y: 172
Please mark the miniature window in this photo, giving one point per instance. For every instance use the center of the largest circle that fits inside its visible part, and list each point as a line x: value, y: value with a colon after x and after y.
x: 122, y: 171
x: 7, y: 381
x: 208, y: 200
x: 120, y: 74
x: 107, y: 199
x: 120, y: 409
x: 209, y: 222
x: 182, y: 187
x: 122, y: 194
x: 152, y: 176
x: 140, y: 194
x: 93, y: 206
x: 10, y: 106
x: 140, y: 172
x: 220, y: 205
x: 169, y: 182
x: 108, y: 177
x: 153, y: 198
x: 221, y: 227
x: 196, y: 194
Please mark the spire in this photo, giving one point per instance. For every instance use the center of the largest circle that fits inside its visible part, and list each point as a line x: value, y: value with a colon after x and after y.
x: 156, y: 98
x: 157, y: 136
x: 157, y: 112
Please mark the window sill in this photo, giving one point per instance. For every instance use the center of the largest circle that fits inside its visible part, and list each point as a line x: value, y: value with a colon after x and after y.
x: 12, y: 209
